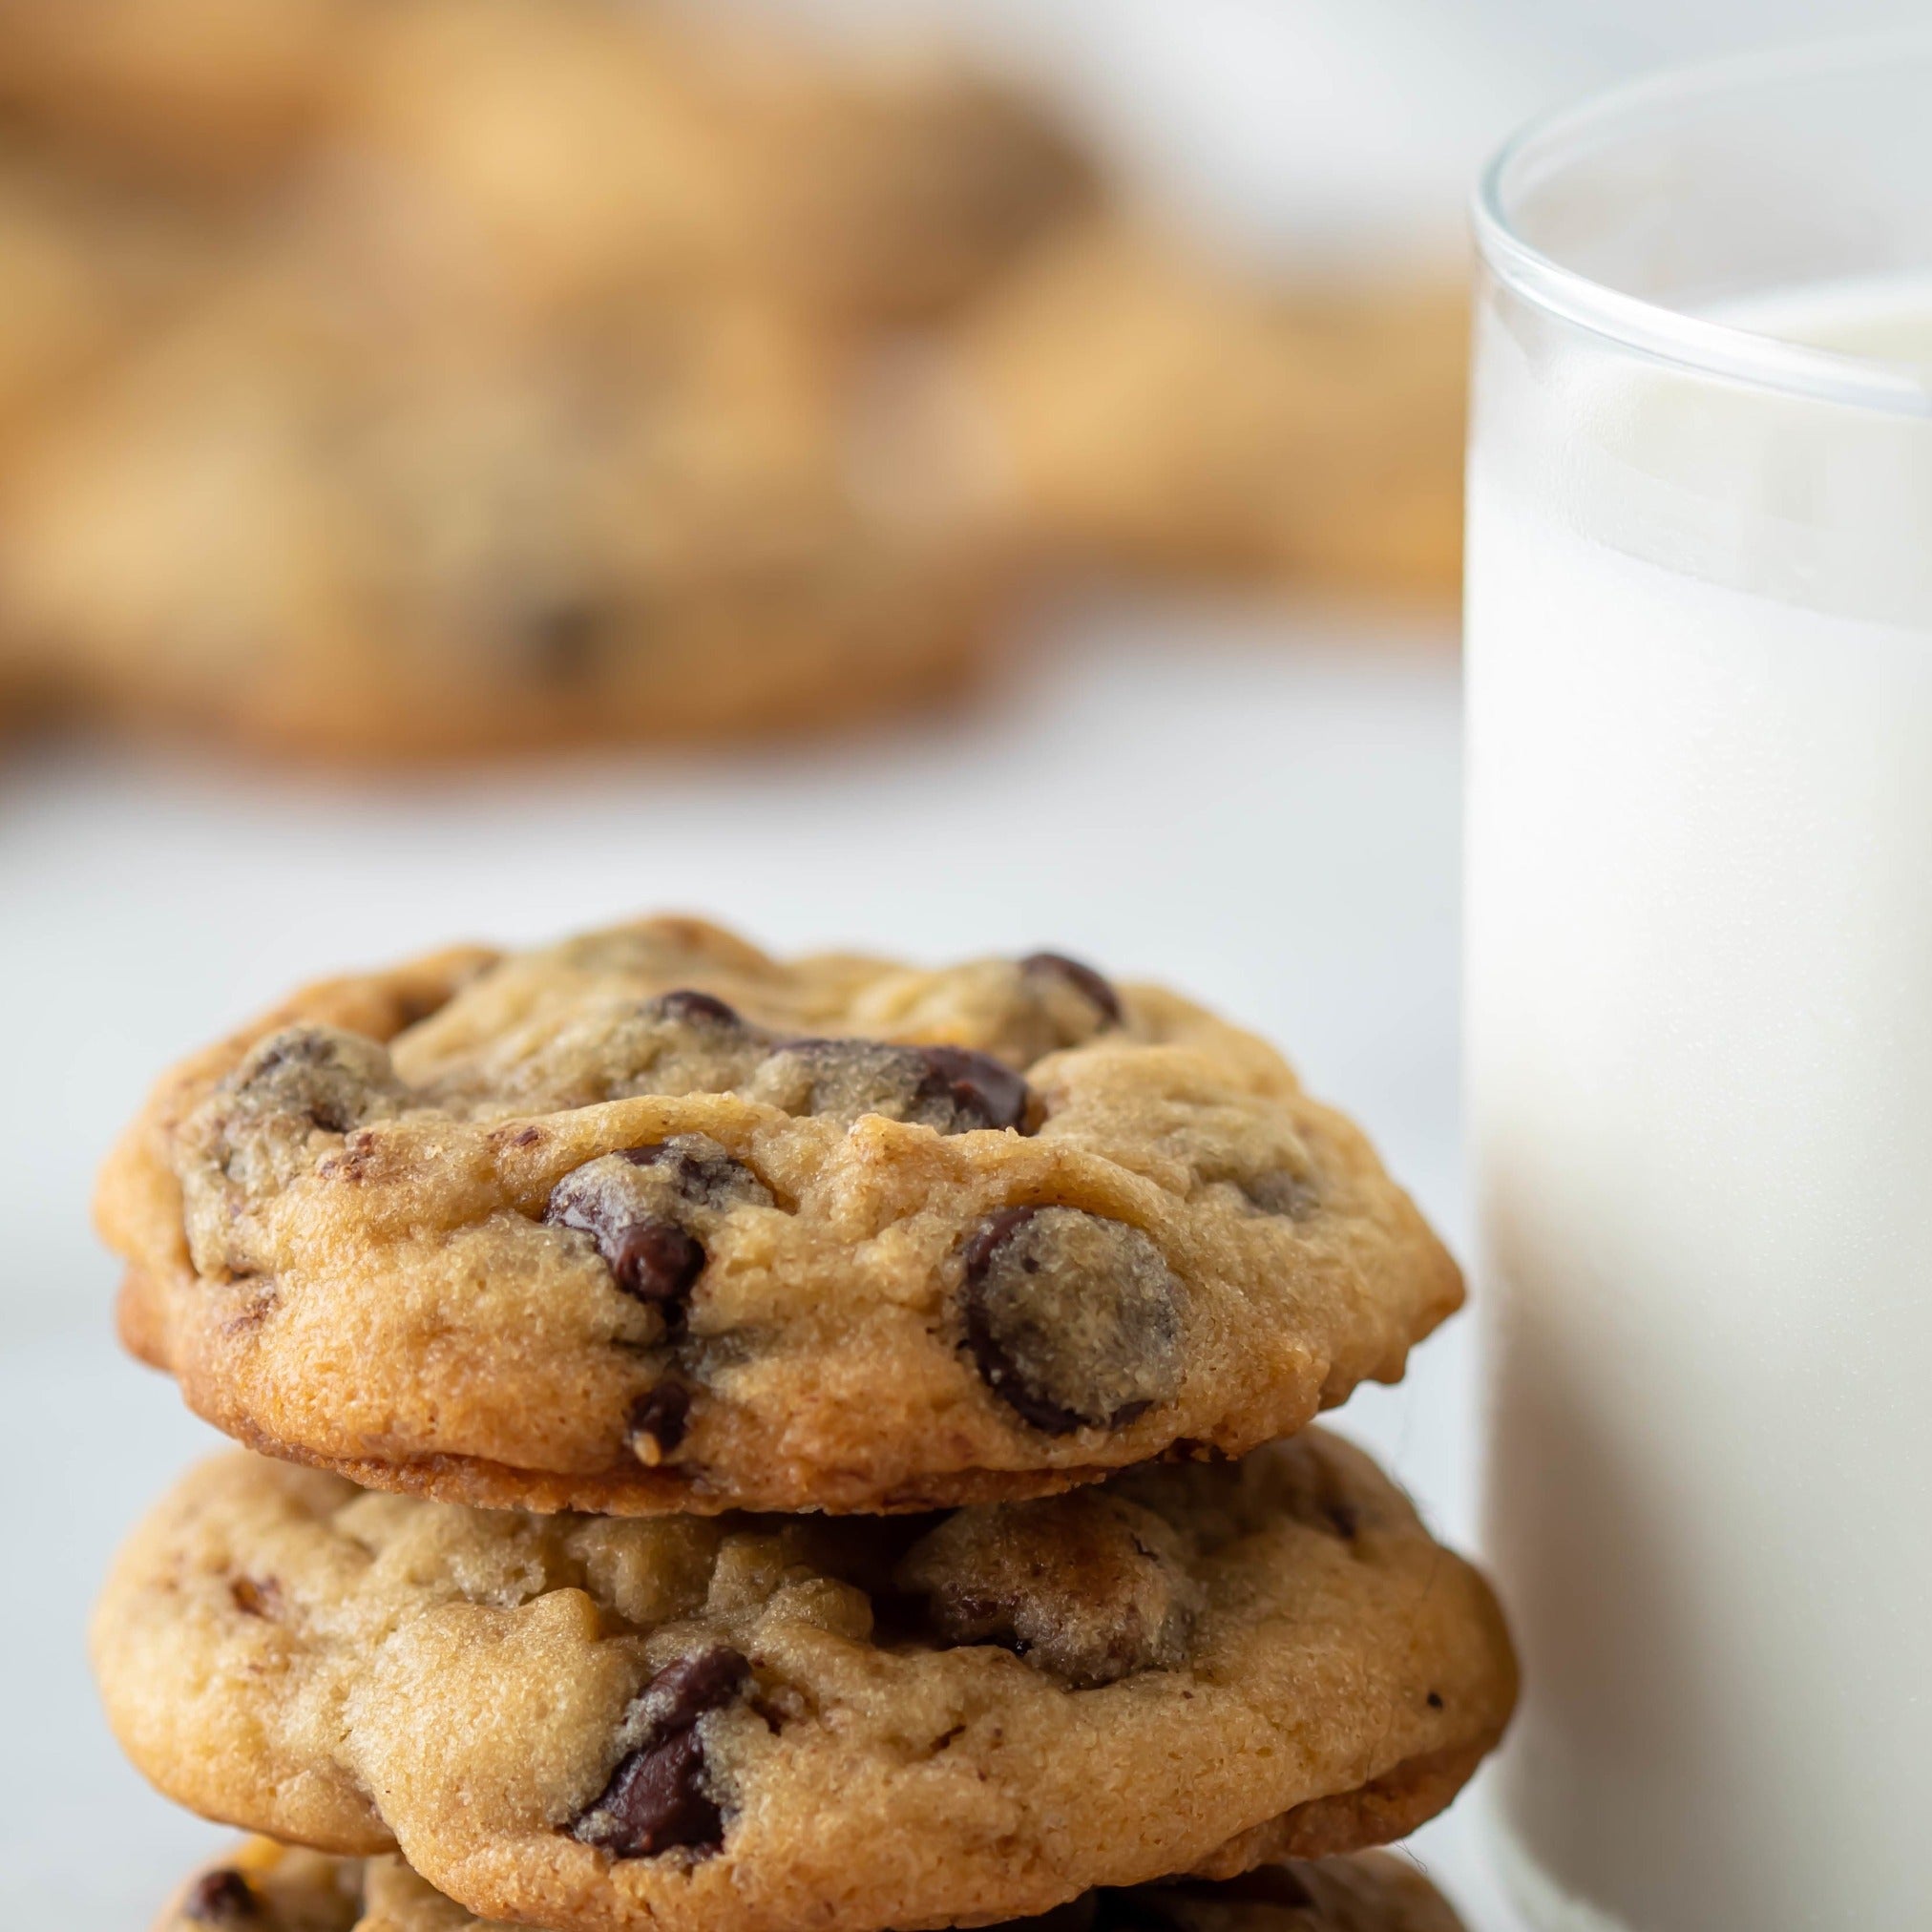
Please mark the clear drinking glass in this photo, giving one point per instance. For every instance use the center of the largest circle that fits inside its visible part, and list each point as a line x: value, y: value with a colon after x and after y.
x: 1700, y: 990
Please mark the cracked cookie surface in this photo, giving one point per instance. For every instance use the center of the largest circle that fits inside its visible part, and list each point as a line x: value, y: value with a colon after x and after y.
x: 650, y: 1221
x: 262, y: 1886
x: 602, y: 1723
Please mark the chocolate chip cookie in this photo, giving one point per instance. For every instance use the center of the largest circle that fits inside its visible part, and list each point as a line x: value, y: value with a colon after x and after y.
x: 208, y: 95
x: 1156, y: 411
x: 657, y: 147
x: 262, y: 1886
x: 305, y: 520
x: 746, y: 1724
x: 649, y: 1221
x: 85, y: 268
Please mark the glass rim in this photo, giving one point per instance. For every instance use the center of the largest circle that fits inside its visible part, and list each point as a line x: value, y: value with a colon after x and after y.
x: 1691, y: 341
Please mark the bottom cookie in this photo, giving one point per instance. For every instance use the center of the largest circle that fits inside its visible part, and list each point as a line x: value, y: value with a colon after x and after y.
x: 266, y: 1887
x: 757, y: 1724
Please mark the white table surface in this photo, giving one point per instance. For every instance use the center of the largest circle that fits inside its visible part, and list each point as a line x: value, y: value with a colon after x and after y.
x: 1262, y: 808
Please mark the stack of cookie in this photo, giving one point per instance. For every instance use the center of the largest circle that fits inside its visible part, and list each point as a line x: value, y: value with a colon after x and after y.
x: 737, y: 1445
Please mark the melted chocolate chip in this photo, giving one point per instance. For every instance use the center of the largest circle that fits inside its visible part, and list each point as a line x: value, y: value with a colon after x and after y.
x: 661, y: 1415
x: 560, y: 641
x: 1321, y: 1500
x: 657, y: 1798
x: 635, y: 1205
x: 221, y: 1898
x: 1089, y: 1587
x: 1434, y: 1700
x: 412, y: 1006
x: 1281, y: 1192
x: 655, y: 1261
x: 650, y: 1258
x: 255, y: 1599
x: 682, y: 1692
x: 330, y: 1079
x: 257, y: 1131
x: 680, y: 1042
x: 702, y: 1171
x: 657, y: 1802
x: 1072, y: 1319
x: 972, y: 1089
x: 692, y: 1008
x: 948, y: 1088
x: 1082, y: 978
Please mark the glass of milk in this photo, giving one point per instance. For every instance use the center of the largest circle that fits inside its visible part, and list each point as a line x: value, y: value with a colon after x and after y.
x: 1700, y: 991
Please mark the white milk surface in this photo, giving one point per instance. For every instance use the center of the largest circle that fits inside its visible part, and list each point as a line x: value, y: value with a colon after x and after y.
x: 1700, y: 1033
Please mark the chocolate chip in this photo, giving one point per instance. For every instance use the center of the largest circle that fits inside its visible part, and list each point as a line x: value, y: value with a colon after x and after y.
x: 692, y: 1008
x: 1088, y: 1585
x: 656, y: 1801
x: 658, y: 1797
x: 701, y: 1170
x: 1319, y: 1498
x: 255, y: 1599
x: 560, y: 641
x: 1072, y: 1319
x: 333, y: 1080
x: 661, y: 1415
x: 257, y: 1132
x: 650, y: 1258
x: 1082, y: 978
x: 221, y: 1898
x: 967, y: 1090
x: 680, y: 1042
x: 1278, y: 1192
x: 655, y: 1261
x: 1434, y: 1700
x: 411, y: 1007
x: 635, y: 1205
x: 682, y: 1692
x: 949, y: 1088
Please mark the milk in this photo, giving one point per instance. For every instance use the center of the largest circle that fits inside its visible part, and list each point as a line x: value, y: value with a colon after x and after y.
x: 1700, y: 1059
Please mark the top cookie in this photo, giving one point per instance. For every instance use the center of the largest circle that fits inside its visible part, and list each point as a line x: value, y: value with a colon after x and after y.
x: 649, y: 1221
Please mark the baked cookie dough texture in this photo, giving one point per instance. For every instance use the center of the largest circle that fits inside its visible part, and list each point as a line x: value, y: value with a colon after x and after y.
x: 266, y: 1887
x: 650, y: 1221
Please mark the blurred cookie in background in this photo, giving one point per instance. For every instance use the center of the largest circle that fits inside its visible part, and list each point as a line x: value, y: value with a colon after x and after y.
x: 84, y: 264
x: 296, y: 519
x: 587, y: 149
x: 1152, y: 411
x: 203, y: 94
x: 522, y: 398
x: 398, y: 377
